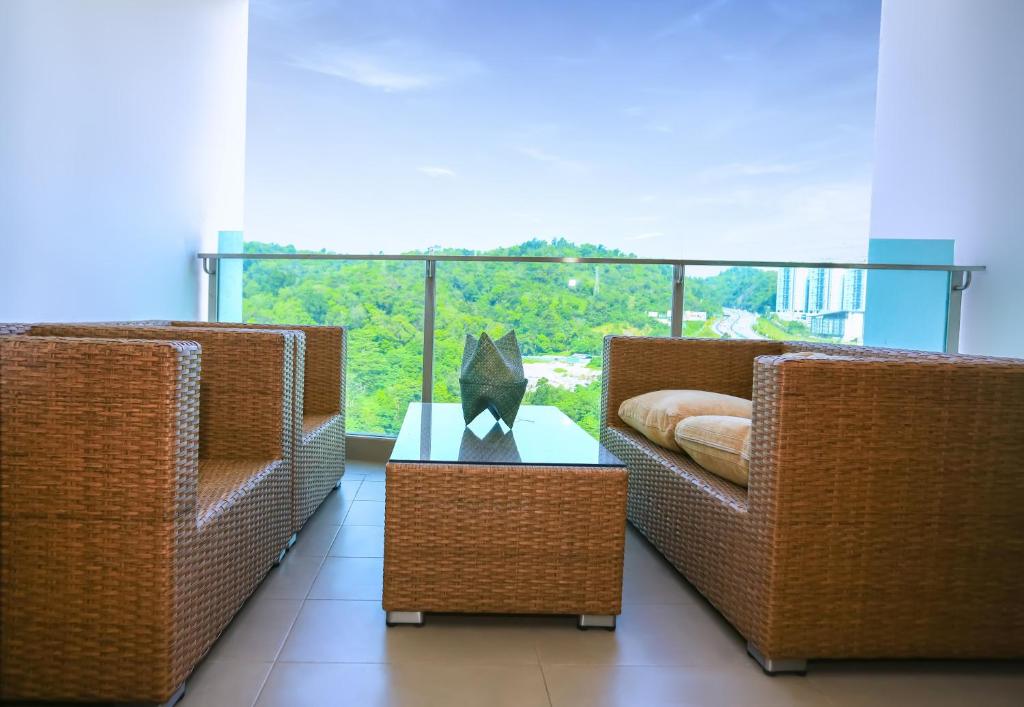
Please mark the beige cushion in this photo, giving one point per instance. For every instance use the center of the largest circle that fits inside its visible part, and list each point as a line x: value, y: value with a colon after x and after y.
x: 719, y: 443
x: 656, y: 414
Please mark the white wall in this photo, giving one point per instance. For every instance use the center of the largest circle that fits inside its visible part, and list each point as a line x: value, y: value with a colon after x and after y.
x: 122, y: 142
x: 949, y: 149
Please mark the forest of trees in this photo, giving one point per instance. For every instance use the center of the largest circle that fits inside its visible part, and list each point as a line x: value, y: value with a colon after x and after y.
x: 554, y: 309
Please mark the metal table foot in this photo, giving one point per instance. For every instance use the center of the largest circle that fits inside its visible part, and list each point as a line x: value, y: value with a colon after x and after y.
x: 605, y: 621
x: 173, y: 699
x: 412, y: 618
x: 777, y: 666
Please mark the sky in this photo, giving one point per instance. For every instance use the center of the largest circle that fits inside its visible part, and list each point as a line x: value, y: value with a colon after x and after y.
x: 707, y: 129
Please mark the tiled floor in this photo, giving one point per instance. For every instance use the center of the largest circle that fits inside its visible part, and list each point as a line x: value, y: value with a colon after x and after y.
x: 314, y: 634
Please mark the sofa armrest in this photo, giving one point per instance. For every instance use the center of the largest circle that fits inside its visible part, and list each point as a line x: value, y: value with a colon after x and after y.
x: 95, y: 429
x: 247, y: 378
x: 634, y: 365
x: 884, y: 489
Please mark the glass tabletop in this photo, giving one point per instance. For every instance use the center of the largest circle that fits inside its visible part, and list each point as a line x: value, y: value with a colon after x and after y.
x: 542, y: 435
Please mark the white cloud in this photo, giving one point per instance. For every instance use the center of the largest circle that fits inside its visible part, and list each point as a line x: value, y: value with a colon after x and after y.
x: 741, y: 170
x: 539, y: 155
x: 803, y: 222
x: 437, y: 172
x: 645, y: 236
x: 390, y: 66
x: 651, y: 121
x: 659, y: 127
x: 696, y: 18
x: 642, y: 218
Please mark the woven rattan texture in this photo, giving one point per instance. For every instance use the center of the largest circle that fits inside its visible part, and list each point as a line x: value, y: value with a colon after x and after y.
x: 318, y: 408
x: 324, y: 374
x: 248, y: 380
x: 885, y: 511
x: 320, y: 447
x: 320, y: 460
x: 504, y: 539
x: 123, y: 555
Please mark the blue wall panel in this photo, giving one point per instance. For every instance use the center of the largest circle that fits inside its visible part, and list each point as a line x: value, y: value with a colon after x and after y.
x: 907, y: 309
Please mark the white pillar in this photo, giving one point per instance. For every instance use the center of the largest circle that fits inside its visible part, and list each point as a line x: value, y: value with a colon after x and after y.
x: 949, y: 149
x: 122, y: 137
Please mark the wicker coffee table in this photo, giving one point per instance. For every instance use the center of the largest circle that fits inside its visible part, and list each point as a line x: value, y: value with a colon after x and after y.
x: 483, y: 519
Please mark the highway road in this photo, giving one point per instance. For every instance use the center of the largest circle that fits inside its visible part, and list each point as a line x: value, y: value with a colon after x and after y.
x: 737, y: 324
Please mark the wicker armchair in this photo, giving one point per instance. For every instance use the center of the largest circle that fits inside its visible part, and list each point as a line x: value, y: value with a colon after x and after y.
x: 320, y: 407
x: 145, y: 494
x: 884, y: 516
x: 319, y: 411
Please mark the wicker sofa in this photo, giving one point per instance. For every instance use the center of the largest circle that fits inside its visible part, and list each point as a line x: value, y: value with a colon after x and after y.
x: 319, y: 411
x: 145, y: 494
x: 884, y: 516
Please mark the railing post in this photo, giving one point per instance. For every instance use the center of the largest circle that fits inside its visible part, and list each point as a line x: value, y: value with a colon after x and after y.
x: 959, y: 280
x: 429, y: 310
x: 212, y: 296
x: 678, y: 290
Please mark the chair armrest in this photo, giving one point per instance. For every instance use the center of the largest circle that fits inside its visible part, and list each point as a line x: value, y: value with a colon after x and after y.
x: 98, y: 481
x: 324, y: 369
x: 635, y: 365
x: 94, y: 429
x: 247, y: 379
x: 870, y: 479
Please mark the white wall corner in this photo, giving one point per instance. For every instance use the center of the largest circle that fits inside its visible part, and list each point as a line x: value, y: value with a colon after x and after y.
x: 949, y: 149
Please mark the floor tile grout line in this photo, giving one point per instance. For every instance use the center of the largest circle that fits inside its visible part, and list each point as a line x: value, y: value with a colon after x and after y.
x: 816, y: 683
x: 348, y: 508
x: 280, y: 648
x: 302, y: 602
x: 544, y: 679
x: 327, y: 554
x: 712, y: 666
x: 817, y: 687
x: 263, y: 684
x: 319, y: 569
x: 460, y: 664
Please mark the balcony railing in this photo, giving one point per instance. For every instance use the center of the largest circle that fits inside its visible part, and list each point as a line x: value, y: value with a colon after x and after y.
x: 408, y: 314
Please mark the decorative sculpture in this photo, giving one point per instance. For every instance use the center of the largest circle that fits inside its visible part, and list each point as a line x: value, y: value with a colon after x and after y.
x: 492, y: 377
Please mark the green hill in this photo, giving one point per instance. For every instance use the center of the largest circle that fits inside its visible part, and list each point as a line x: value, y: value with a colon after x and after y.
x: 554, y: 308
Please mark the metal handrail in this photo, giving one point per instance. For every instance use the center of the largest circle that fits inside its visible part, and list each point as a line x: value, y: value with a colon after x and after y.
x: 440, y: 257
x: 959, y: 279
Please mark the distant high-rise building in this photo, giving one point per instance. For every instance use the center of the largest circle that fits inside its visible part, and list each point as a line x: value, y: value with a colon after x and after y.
x: 854, y: 282
x: 791, y: 290
x: 784, y: 290
x: 831, y: 301
x: 819, y: 289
